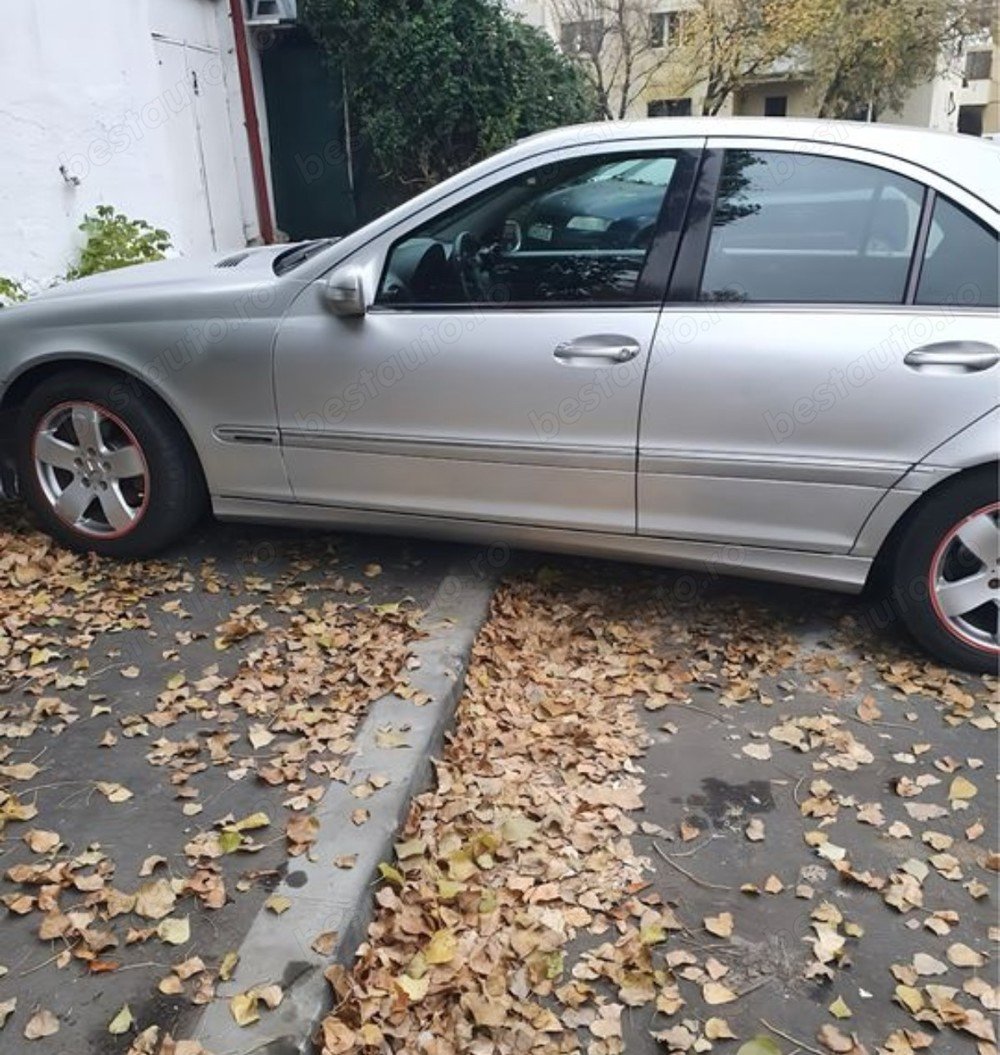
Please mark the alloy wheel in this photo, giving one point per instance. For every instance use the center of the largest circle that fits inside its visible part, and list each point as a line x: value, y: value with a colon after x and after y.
x: 91, y: 469
x: 965, y: 579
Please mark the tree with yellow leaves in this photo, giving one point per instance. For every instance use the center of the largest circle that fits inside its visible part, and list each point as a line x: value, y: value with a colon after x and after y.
x: 865, y: 56
x: 730, y: 42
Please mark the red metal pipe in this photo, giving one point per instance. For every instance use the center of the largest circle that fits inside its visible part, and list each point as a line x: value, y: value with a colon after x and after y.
x: 257, y: 165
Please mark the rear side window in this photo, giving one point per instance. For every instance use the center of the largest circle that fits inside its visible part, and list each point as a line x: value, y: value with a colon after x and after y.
x: 799, y: 228
x: 962, y: 260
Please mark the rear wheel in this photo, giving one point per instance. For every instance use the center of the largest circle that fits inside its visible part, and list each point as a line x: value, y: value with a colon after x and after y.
x: 947, y: 573
x: 106, y: 469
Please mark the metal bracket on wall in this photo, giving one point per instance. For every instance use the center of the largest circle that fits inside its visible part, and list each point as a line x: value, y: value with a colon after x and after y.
x: 272, y: 12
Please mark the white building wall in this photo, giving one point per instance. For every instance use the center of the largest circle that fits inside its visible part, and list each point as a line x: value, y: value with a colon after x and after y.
x: 88, y: 86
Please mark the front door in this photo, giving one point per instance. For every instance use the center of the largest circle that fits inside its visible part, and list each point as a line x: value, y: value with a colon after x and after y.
x: 497, y: 373
x: 831, y: 322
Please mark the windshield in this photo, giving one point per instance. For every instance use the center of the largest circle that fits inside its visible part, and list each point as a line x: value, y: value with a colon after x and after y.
x: 656, y: 172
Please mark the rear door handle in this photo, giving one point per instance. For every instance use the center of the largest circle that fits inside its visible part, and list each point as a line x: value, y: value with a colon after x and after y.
x: 968, y: 356
x: 607, y: 347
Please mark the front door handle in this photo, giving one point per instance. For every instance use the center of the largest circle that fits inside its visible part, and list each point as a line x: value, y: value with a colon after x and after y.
x: 968, y: 356
x: 608, y: 347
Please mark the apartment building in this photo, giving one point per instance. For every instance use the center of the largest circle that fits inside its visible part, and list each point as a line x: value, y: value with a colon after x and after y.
x: 963, y: 97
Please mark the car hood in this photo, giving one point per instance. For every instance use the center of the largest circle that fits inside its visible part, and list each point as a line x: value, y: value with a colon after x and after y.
x: 234, y: 268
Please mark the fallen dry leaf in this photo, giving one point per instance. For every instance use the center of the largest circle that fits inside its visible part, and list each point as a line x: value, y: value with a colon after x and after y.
x: 41, y: 1024
x: 721, y: 925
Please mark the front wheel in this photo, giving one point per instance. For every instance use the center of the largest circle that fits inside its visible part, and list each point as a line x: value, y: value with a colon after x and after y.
x: 105, y: 467
x: 947, y: 573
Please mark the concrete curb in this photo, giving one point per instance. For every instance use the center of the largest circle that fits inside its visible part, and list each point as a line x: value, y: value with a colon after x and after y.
x: 325, y: 898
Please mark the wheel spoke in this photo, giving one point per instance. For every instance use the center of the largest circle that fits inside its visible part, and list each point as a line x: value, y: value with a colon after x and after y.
x: 55, y: 452
x: 73, y: 502
x: 981, y: 536
x: 965, y: 595
x: 119, y: 513
x: 126, y: 463
x: 87, y: 426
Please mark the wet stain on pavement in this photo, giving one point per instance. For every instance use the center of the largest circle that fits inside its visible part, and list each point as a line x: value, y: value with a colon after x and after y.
x: 731, y: 805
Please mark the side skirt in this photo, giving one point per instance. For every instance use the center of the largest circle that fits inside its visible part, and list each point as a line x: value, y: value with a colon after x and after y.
x: 830, y: 571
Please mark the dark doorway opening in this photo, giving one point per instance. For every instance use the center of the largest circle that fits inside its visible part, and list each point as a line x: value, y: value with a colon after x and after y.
x: 776, y: 106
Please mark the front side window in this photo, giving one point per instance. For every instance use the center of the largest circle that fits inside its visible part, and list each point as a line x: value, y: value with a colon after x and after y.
x: 800, y: 228
x: 961, y: 262
x: 576, y: 231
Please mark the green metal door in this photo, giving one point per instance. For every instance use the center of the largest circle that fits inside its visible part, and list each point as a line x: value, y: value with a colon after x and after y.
x: 310, y: 159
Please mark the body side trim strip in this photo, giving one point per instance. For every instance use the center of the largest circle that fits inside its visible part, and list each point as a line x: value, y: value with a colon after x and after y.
x: 560, y: 456
x: 804, y: 469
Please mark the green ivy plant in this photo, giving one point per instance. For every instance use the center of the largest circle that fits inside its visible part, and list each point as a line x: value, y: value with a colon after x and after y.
x: 437, y: 85
x: 114, y: 241
x: 11, y: 292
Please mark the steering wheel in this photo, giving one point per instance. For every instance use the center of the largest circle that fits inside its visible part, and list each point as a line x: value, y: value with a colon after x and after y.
x: 465, y: 256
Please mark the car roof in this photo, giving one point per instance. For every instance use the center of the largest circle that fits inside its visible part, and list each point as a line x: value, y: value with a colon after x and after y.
x: 965, y: 160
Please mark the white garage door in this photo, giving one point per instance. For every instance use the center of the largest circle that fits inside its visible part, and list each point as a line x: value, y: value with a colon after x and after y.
x: 196, y: 122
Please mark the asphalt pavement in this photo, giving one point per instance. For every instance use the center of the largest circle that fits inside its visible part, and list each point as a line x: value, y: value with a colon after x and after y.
x: 110, y: 671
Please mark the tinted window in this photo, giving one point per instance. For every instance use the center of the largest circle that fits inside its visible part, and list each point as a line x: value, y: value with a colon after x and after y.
x: 961, y: 262
x: 800, y: 228
x: 575, y: 231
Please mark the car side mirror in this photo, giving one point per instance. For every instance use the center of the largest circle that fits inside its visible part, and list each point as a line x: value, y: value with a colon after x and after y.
x: 344, y: 293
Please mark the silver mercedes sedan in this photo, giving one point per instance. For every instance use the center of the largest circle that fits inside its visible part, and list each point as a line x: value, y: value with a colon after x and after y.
x: 768, y: 347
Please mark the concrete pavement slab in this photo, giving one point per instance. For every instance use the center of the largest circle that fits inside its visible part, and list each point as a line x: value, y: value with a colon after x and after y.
x: 327, y: 900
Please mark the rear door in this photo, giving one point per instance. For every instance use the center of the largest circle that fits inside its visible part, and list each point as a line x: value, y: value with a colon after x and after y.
x: 832, y: 318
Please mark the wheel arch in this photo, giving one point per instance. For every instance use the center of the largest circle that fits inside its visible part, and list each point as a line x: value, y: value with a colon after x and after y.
x: 881, y: 568
x: 22, y: 383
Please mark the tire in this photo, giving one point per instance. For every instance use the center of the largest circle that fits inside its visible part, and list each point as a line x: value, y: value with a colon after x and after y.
x: 936, y: 574
x: 105, y: 467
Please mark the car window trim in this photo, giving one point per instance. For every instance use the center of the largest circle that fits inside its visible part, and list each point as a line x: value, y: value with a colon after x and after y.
x: 685, y: 282
x: 652, y: 283
x: 654, y: 279
x: 920, y: 246
x: 685, y: 287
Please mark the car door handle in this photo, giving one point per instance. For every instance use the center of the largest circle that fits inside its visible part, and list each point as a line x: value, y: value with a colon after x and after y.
x: 970, y: 356
x: 609, y: 347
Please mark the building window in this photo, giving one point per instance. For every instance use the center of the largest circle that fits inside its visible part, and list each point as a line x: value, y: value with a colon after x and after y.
x: 669, y: 108
x: 667, y: 29
x: 776, y: 106
x: 581, y: 37
x: 970, y: 120
x: 982, y: 14
x: 978, y: 65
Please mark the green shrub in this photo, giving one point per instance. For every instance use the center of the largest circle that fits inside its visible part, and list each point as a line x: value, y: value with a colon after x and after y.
x: 439, y: 84
x: 11, y: 292
x: 114, y: 241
